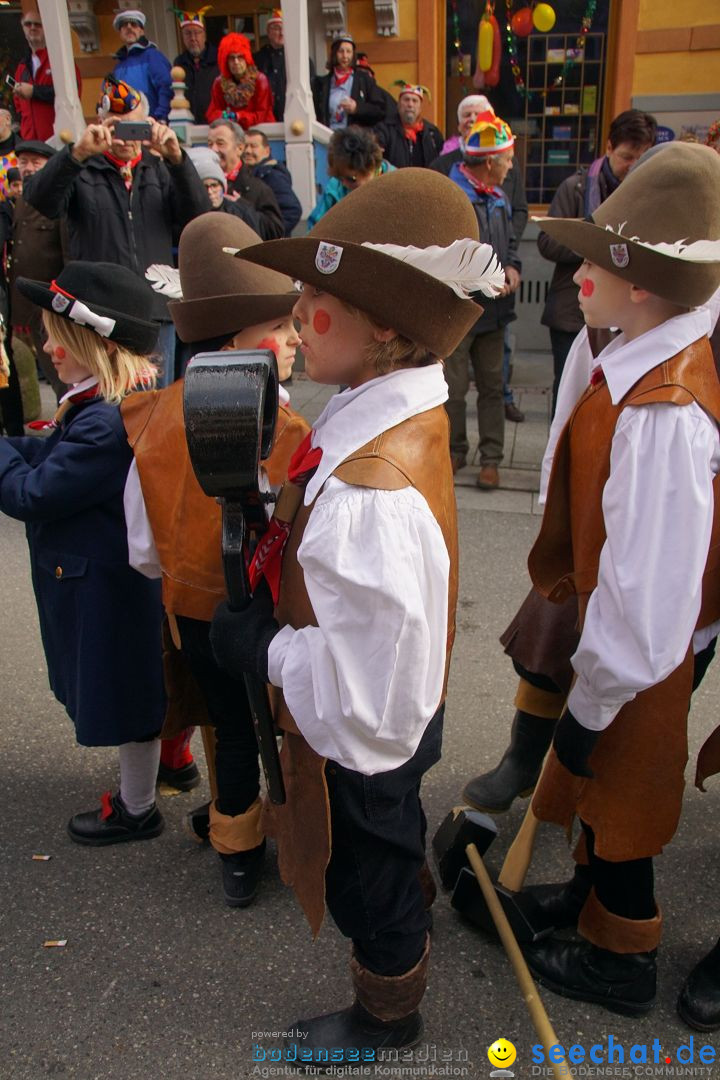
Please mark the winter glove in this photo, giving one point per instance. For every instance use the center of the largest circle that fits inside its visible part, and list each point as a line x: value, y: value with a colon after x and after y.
x: 574, y: 744
x: 240, y: 639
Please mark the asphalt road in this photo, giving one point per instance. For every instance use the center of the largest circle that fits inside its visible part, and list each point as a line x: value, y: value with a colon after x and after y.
x: 159, y: 979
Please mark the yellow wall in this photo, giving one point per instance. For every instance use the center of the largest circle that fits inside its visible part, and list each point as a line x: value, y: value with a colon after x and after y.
x: 660, y: 14
x: 694, y: 71
x: 363, y: 27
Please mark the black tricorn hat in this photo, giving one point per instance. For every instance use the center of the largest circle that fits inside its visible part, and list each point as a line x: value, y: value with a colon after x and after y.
x: 101, y: 297
x: 222, y: 295
x: 355, y: 251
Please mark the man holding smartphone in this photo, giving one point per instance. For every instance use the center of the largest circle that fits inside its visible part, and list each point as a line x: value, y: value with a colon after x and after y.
x: 33, y: 92
x: 123, y: 200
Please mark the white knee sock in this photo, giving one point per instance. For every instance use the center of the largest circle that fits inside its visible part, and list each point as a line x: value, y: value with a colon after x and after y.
x: 138, y: 775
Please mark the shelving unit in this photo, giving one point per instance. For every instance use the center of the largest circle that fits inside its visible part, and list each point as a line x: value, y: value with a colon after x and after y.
x: 562, y: 130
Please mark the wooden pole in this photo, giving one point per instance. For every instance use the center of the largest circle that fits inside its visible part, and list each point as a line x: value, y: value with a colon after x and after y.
x: 535, y: 1007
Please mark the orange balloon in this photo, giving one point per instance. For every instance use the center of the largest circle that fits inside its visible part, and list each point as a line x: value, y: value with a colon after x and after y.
x: 522, y: 22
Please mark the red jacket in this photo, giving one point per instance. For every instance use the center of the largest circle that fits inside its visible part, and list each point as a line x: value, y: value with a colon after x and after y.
x: 259, y: 109
x: 37, y: 114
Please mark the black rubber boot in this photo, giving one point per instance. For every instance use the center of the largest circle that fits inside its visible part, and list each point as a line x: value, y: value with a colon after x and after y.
x: 560, y: 904
x: 699, y: 1001
x: 197, y: 823
x: 241, y: 874
x: 622, y: 983
x: 355, y: 1030
x: 519, y: 768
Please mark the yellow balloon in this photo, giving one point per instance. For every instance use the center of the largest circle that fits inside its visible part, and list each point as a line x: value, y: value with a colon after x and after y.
x: 485, y: 45
x: 543, y: 17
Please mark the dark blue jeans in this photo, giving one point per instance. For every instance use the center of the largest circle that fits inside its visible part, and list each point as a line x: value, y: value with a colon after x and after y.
x: 378, y: 847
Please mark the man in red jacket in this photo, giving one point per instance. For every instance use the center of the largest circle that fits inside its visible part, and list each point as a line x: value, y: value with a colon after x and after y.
x: 34, y: 93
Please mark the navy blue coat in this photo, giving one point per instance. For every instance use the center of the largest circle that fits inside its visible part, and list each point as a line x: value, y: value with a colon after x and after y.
x: 100, y: 620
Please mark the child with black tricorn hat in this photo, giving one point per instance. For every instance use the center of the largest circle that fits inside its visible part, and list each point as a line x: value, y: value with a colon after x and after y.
x: 100, y: 620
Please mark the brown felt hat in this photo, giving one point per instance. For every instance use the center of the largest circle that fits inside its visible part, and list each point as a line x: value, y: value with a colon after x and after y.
x: 222, y: 295
x: 416, y: 207
x: 642, y: 232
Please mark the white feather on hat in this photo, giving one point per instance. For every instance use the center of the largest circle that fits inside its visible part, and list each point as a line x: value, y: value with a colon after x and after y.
x: 465, y: 266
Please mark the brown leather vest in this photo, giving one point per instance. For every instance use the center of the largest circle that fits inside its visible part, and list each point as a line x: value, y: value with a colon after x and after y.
x: 566, y: 554
x: 412, y: 454
x: 633, y: 803
x: 187, y: 523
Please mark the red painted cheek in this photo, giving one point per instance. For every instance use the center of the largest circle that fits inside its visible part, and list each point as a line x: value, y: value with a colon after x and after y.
x: 321, y: 321
x: 588, y: 287
x: 59, y: 352
x: 269, y: 343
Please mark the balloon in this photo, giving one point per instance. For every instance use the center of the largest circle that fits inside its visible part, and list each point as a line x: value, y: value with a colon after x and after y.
x: 485, y: 45
x: 543, y: 17
x: 492, y: 76
x: 522, y: 22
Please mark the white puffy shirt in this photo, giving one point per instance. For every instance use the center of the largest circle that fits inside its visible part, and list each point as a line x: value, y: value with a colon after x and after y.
x: 363, y: 684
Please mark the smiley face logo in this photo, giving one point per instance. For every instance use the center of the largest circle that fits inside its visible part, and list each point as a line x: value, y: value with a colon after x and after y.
x: 502, y: 1054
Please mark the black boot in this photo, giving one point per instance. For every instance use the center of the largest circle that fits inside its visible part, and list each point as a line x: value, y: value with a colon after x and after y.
x: 197, y: 823
x: 384, y: 1016
x: 560, y: 904
x: 699, y: 1001
x: 623, y: 983
x: 112, y: 824
x: 185, y: 778
x: 519, y: 767
x: 241, y: 875
x: 353, y: 1029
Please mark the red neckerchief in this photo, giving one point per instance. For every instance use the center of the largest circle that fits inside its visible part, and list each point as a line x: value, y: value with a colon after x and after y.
x: 477, y: 184
x: 411, y: 130
x: 125, y: 168
x: 341, y: 77
x: 234, y: 174
x: 597, y: 376
x: 267, y: 560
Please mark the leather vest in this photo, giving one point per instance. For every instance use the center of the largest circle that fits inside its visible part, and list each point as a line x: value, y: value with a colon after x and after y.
x: 186, y: 523
x: 566, y: 555
x: 412, y: 454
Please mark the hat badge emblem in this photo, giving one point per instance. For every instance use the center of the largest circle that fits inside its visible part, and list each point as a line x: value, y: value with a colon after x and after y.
x: 60, y: 302
x: 328, y: 257
x: 620, y: 255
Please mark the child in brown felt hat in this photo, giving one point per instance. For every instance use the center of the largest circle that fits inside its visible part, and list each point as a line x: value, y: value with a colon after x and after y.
x: 629, y: 526
x: 222, y: 303
x: 357, y: 640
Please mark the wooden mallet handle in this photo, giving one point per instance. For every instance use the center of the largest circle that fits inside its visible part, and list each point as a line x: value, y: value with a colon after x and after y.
x: 539, y: 1017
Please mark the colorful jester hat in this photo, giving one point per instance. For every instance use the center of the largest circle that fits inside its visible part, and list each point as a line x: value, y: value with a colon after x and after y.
x: 191, y: 18
x: 488, y: 135
x: 117, y: 97
x: 409, y: 88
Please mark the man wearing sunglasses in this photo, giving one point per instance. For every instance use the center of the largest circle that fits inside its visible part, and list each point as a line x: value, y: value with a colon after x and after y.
x: 34, y: 93
x: 141, y: 64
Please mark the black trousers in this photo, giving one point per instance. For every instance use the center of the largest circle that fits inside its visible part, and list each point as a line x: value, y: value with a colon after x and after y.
x: 11, y: 406
x: 236, y: 759
x: 560, y: 342
x: 378, y: 848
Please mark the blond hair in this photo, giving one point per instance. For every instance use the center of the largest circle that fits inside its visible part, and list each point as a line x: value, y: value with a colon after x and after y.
x: 118, y: 372
x: 399, y: 352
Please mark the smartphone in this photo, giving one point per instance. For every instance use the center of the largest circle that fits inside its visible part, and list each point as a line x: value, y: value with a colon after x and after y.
x: 12, y: 83
x: 131, y: 131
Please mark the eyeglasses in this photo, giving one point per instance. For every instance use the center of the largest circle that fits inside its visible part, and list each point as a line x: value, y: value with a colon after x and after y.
x: 33, y: 24
x: 130, y: 22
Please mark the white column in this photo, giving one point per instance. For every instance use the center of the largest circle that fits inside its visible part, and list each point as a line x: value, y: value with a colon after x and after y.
x: 68, y: 110
x: 299, y: 108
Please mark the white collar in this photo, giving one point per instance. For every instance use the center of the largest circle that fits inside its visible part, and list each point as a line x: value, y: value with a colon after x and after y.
x: 625, y: 362
x: 92, y: 380
x: 354, y: 417
x: 283, y: 396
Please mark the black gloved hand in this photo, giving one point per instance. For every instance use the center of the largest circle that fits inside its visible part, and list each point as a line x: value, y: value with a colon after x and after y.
x: 574, y: 744
x: 240, y: 639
